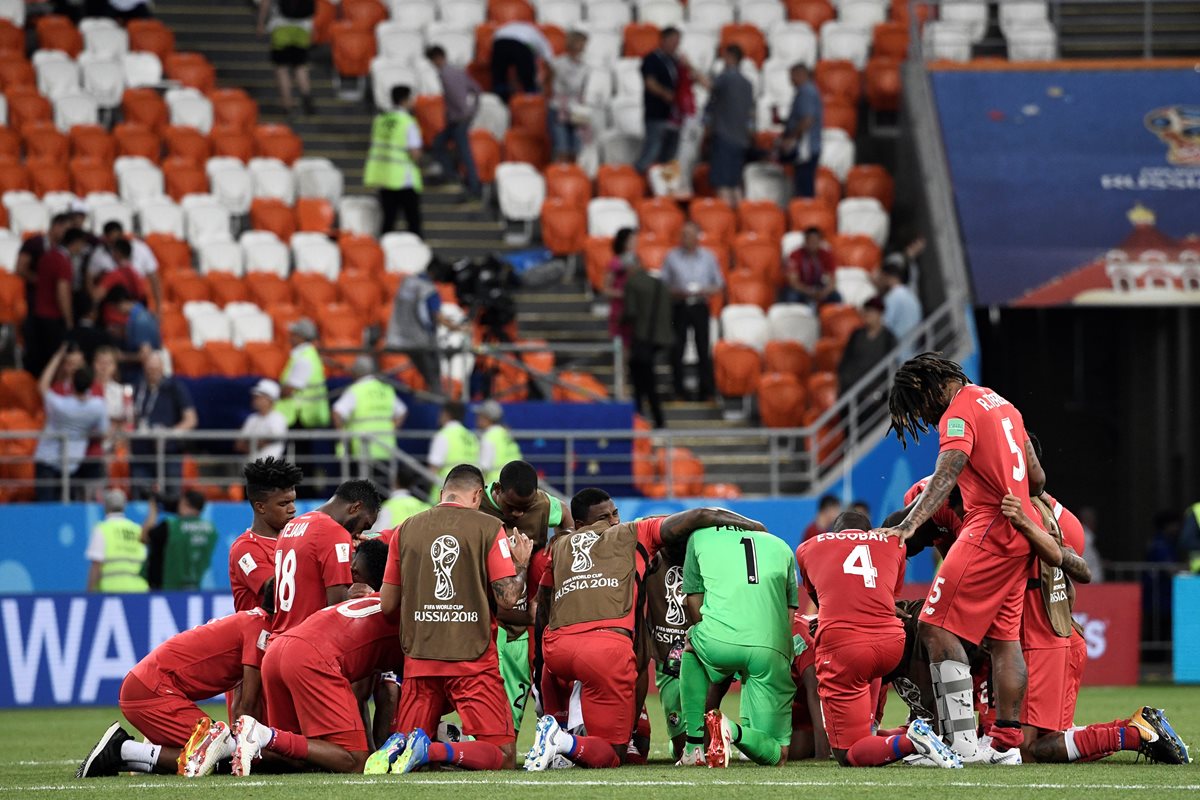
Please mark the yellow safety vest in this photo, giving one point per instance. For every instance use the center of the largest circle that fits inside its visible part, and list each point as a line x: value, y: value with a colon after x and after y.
x: 1194, y: 556
x: 309, y: 405
x: 374, y: 407
x: 124, y: 555
x: 505, y: 448
x: 463, y: 449
x: 401, y: 508
x: 389, y: 164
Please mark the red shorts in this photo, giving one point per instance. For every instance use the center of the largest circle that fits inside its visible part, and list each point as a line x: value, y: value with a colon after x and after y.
x: 1076, y: 663
x: 978, y: 594
x: 848, y: 677
x: 479, y: 699
x: 306, y: 693
x: 161, y: 714
x: 604, y: 663
x: 1046, y: 692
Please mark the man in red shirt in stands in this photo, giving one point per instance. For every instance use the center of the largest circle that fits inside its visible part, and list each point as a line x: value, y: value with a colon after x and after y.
x: 809, y: 272
x: 828, y: 507
x: 271, y: 490
x: 53, y: 313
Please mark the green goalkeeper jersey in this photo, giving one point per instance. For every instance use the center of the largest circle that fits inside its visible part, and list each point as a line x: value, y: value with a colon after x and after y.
x: 748, y: 579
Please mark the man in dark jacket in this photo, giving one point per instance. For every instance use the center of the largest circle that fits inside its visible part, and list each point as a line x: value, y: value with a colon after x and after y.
x: 648, y: 314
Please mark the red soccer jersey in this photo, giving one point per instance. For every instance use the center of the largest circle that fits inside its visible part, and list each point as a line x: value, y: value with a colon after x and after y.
x: 990, y: 430
x: 947, y: 521
x: 650, y: 538
x: 355, y: 636
x: 207, y: 659
x: 251, y: 562
x: 1036, y: 630
x: 313, y: 553
x: 1069, y: 524
x: 856, y: 576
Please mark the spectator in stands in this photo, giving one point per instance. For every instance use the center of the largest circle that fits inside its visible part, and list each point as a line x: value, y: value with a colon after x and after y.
x: 115, y: 550
x: 453, y: 444
x: 53, y: 310
x: 27, y: 260
x: 370, y: 409
x: 117, y: 252
x: 518, y: 46
x: 403, y: 502
x: 828, y: 508
x: 867, y: 346
x: 861, y: 507
x: 461, y: 95
x: 624, y: 259
x: 801, y: 140
x: 179, y: 548
x: 730, y: 116
x: 392, y: 162
x: 63, y: 381
x: 570, y: 116
x: 92, y: 467
x: 118, y: 270
x: 135, y: 330
x: 70, y: 421
x: 290, y: 23
x: 265, y: 428
x: 104, y: 368
x: 413, y: 327
x: 497, y: 446
x: 160, y: 404
x: 660, y: 73
x: 647, y: 313
x: 901, y: 309
x: 692, y: 275
x: 809, y: 273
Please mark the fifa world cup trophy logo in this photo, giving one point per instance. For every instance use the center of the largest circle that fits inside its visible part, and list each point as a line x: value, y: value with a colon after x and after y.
x: 444, y: 552
x: 581, y: 550
x: 675, y: 596
x: 1179, y: 128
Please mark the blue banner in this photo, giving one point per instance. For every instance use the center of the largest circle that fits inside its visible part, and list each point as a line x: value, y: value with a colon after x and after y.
x: 1186, y: 634
x: 1075, y: 185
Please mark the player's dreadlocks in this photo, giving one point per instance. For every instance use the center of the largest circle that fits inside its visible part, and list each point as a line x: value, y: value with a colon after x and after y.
x: 268, y: 475
x: 917, y: 393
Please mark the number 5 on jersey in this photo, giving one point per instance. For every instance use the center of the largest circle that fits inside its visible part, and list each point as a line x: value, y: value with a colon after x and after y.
x: 859, y: 563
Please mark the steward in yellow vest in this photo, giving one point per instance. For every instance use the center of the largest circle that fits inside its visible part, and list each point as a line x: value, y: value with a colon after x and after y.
x: 452, y: 445
x: 391, y: 165
x: 116, y: 550
x: 497, y: 446
x: 305, y: 402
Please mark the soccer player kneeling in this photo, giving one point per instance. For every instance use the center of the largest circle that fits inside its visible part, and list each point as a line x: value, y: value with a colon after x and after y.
x: 853, y: 577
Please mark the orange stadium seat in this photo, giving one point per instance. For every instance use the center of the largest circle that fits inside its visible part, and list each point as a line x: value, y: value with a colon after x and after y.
x: 759, y: 255
x: 278, y: 141
x: 19, y: 390
x: 16, y: 72
x: 841, y: 114
x: 597, y: 253
x: 191, y: 69
x: 902, y: 11
x: 12, y: 299
x: 183, y: 286
x: 641, y: 38
x: 620, y: 180
x: 564, y: 227
x: 838, y: 322
x: 652, y: 249
x: 270, y: 214
x: 502, y: 11
x: 25, y: 105
x: 12, y: 38
x: 172, y: 324
x: 686, y: 472
x: 234, y: 143
x: 366, y: 14
x: 747, y: 287
x: 822, y: 389
x: 430, y: 112
x: 226, y: 360
x: 10, y: 144
x: 581, y: 387
x: 829, y: 188
x: 720, y: 251
x: 890, y: 39
x: 341, y: 362
x: 815, y: 12
x: 361, y: 292
x: 92, y: 175
x: 313, y: 293
x: 284, y: 315
x: 267, y: 289
x: 353, y: 49
x: 827, y: 354
x: 93, y: 141
x: 43, y: 141
x: 14, y: 177
x: 749, y: 38
x: 882, y: 77
x: 57, y: 32
x: 789, y: 357
x: 487, y: 154
x: 871, y: 180
x: 137, y: 139
x: 781, y: 399
x: 722, y: 491
x: 838, y: 79
x: 361, y: 254
x: 151, y: 36
x: 661, y: 216
x: 314, y: 214
x: 529, y: 113
x: 569, y: 183
x: 528, y: 147
x: 186, y: 360
x: 265, y: 359
x: 856, y: 250
x: 145, y: 106
x: 323, y: 21
x: 172, y: 254
x: 233, y: 109
x: 701, y: 185
x: 182, y: 176
x: 225, y: 288
x: 556, y: 36
x: 805, y: 213
x: 187, y: 143
x: 762, y: 217
x: 48, y: 176
x: 510, y: 383
x: 484, y: 34
x: 716, y: 219
x: 736, y: 368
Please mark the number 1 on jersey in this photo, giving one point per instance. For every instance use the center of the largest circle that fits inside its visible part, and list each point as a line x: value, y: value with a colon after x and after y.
x: 751, y: 560
x: 859, y: 563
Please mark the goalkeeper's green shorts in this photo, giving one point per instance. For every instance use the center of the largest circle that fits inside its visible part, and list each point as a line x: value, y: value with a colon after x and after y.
x: 516, y: 669
x: 766, y: 674
x: 668, y: 693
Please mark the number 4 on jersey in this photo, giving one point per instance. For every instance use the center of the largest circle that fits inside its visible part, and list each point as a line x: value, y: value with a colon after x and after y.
x: 859, y: 563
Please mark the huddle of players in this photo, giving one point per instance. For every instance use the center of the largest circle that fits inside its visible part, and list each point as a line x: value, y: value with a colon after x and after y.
x: 485, y: 613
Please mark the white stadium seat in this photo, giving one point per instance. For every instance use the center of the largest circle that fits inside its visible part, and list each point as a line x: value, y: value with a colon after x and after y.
x: 607, y: 215
x: 405, y: 253
x: 206, y: 220
x: 395, y: 41
x: 59, y: 202
x: 627, y: 116
x: 199, y: 308
x: 970, y: 14
x: 628, y: 78
x: 101, y: 214
x: 619, y: 148
x: 794, y: 322
x: 142, y: 69
x: 777, y: 80
x: 947, y: 41
x: 318, y: 177
x: 190, y: 108
x: 766, y: 181
x: 608, y: 15
x: 1032, y: 42
x: 663, y: 13
x: 265, y: 255
x: 360, y: 215
x: 10, y: 248
x: 462, y: 14
x: 386, y: 73
x: 315, y: 253
x: 216, y: 256
x: 709, y: 15
x: 75, y: 109
x: 209, y: 327
x: 566, y: 14
x: 104, y: 79
x: 26, y: 215
x: 3, y: 110
x: 270, y: 177
x: 744, y: 324
x: 161, y: 215
x: 863, y: 14
x: 520, y: 190
x: 413, y: 16
x: 837, y: 152
x: 791, y: 241
x: 491, y: 115
x: 456, y: 40
x: 793, y: 42
x: 251, y: 327
x: 57, y: 77
x: 845, y: 42
x: 603, y: 48
x: 763, y: 14
x: 699, y: 46
x: 138, y: 180
x: 599, y: 87
x: 855, y: 286
x: 106, y: 41
x: 1020, y: 13
x: 13, y: 11
x: 865, y: 216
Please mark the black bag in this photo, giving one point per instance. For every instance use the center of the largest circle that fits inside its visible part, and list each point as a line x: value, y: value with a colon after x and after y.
x: 297, y: 9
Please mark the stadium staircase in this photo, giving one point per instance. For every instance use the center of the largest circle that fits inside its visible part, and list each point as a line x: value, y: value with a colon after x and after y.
x: 1117, y: 30
x: 224, y: 31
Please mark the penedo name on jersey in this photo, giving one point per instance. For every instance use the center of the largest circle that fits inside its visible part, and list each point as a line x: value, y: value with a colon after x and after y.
x: 991, y: 400
x: 445, y: 613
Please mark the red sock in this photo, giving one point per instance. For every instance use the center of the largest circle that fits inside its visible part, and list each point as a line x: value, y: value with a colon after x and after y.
x: 286, y: 743
x: 1006, y: 738
x: 891, y: 731
x: 1100, y: 740
x: 478, y: 756
x: 594, y: 752
x: 877, y: 751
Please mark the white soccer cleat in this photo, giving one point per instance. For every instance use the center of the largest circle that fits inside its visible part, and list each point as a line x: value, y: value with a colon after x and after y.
x: 204, y: 751
x: 693, y: 756
x: 918, y: 760
x: 247, y: 748
x: 932, y: 747
x: 987, y: 754
x: 720, y: 740
x: 561, y: 762
x: 545, y: 745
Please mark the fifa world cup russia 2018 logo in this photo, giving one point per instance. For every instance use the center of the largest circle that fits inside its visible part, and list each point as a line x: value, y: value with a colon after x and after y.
x: 674, y: 580
x: 1179, y: 128
x: 444, y: 552
x: 581, y: 550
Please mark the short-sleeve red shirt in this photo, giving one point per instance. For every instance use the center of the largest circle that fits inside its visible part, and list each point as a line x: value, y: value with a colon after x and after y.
x: 208, y: 659
x: 355, y: 636
x: 1069, y: 524
x: 312, y: 553
x: 1036, y: 631
x: 251, y: 563
x: 945, y: 517
x: 856, y: 576
x: 53, y: 267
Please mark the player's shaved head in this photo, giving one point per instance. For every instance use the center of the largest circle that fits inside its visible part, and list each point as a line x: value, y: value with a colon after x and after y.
x: 851, y: 521
x: 918, y: 396
x: 370, y: 560
x: 592, y: 505
x: 518, y: 478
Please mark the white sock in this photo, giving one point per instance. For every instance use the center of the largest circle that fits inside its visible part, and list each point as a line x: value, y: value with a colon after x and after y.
x: 952, y: 687
x: 140, y: 756
x: 1073, y: 753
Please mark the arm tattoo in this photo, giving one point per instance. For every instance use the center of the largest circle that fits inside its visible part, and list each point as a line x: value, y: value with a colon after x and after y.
x: 510, y: 591
x: 1074, y: 567
x: 945, y: 476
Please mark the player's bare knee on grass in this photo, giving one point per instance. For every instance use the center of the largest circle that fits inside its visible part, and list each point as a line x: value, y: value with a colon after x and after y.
x: 510, y: 755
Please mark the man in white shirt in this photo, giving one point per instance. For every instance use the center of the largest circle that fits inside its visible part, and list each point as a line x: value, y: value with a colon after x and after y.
x: 901, y: 308
x: 142, y: 260
x: 518, y: 45
x: 263, y: 430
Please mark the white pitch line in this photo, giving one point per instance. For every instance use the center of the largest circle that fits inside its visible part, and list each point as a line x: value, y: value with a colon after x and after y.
x: 59, y: 763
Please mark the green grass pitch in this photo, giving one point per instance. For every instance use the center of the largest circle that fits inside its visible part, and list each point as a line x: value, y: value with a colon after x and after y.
x: 41, y: 749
